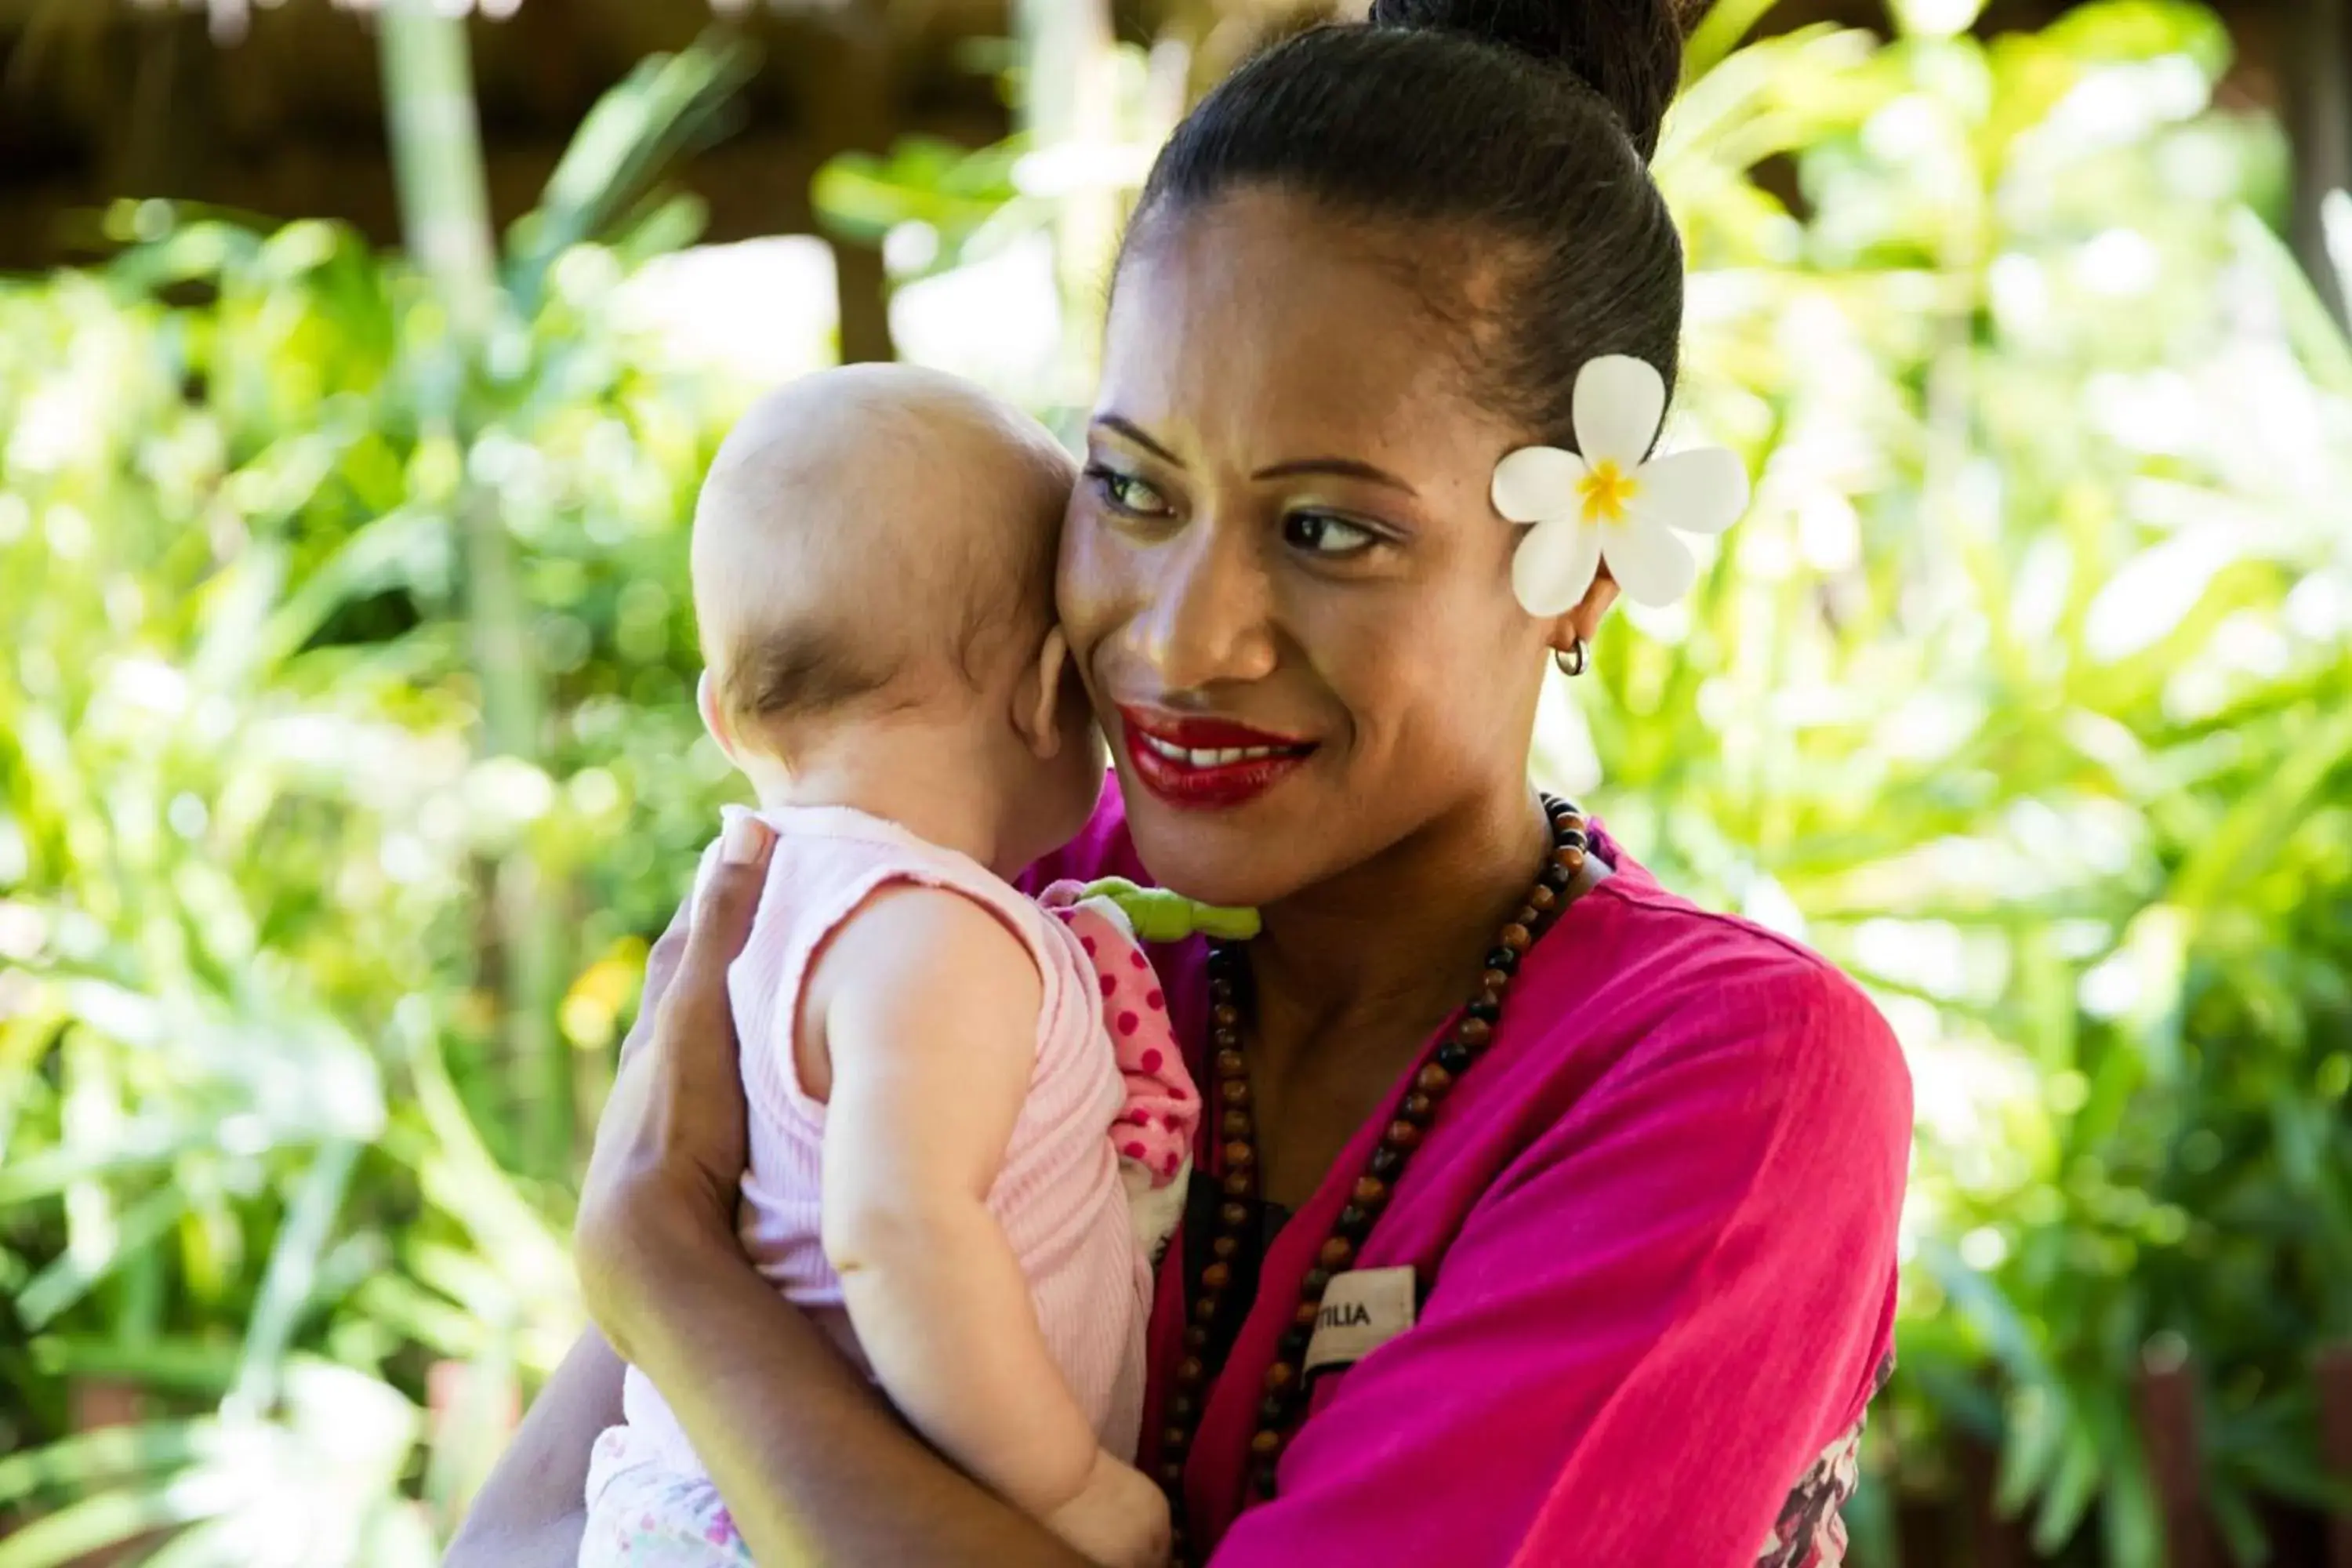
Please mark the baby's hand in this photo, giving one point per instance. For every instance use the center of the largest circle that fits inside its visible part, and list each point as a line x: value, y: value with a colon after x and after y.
x: 1120, y: 1520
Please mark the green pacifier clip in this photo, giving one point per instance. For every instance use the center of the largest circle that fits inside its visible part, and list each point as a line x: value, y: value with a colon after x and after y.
x: 1158, y: 915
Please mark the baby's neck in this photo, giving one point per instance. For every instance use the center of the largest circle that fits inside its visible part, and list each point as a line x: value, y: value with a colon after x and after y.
x: 896, y: 777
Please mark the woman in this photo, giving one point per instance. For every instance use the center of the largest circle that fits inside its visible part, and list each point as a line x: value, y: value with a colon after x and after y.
x: 1573, y: 1244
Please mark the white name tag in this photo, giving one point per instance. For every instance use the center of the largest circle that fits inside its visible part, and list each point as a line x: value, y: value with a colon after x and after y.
x: 1362, y: 1311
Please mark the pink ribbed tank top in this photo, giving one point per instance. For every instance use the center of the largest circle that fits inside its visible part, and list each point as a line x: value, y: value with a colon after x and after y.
x: 1059, y: 1198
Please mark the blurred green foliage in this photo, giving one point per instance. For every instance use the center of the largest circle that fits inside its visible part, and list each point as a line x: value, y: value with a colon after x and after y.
x: 2021, y: 693
x: 260, y: 1128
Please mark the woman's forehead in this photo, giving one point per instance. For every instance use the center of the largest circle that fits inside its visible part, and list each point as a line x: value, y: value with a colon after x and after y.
x: 1263, y: 323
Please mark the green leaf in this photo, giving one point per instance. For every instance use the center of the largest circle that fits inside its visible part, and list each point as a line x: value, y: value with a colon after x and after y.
x: 2118, y: 31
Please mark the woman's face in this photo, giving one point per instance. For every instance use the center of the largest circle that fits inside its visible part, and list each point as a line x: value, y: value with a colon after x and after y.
x: 1281, y: 574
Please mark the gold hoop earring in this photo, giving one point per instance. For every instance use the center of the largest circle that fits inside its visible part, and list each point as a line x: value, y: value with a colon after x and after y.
x: 1573, y: 659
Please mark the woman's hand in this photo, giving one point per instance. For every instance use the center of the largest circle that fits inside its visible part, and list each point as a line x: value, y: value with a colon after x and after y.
x: 663, y: 1178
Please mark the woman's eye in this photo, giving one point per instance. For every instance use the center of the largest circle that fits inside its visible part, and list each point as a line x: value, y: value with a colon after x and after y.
x: 1127, y: 494
x: 1320, y: 533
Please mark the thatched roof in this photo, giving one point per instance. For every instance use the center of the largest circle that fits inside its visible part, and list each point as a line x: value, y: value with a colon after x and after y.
x: 274, y: 106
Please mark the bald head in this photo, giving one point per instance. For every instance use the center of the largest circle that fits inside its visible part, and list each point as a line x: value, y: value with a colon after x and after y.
x: 868, y: 530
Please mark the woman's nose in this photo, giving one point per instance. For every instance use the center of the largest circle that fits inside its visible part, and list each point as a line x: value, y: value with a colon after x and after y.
x: 1211, y: 616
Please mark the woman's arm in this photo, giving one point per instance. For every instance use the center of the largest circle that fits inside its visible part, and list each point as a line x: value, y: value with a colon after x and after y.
x: 530, y: 1512
x: 813, y: 1467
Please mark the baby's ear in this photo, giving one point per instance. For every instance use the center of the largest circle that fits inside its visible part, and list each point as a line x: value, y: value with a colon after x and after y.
x: 1036, y: 713
x: 714, y: 714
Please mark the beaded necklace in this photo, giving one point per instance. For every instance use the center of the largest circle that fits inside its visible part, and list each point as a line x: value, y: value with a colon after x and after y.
x: 1472, y: 1033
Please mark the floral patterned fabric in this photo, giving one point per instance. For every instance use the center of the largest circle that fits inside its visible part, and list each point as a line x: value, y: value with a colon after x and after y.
x: 1811, y: 1533
x: 645, y: 1515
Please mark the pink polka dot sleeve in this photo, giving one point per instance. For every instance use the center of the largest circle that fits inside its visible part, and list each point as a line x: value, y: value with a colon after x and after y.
x: 1154, y: 1130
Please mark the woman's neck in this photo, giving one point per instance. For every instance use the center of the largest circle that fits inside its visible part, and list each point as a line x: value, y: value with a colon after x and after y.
x: 1385, y: 951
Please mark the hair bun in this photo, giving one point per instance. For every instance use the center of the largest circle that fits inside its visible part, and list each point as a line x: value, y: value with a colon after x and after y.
x: 1628, y: 51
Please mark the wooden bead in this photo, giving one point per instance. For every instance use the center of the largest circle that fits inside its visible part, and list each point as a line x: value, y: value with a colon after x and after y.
x: 1540, y: 897
x: 1225, y: 1246
x: 1226, y: 1043
x: 1189, y: 1370
x: 1235, y: 1090
x: 1473, y: 1032
x: 1493, y: 978
x: 1336, y: 1253
x: 1233, y: 1216
x: 1516, y: 937
x: 1370, y: 1192
x: 1279, y: 1376
x: 1402, y: 1135
x: 1237, y: 1184
x: 1527, y: 916
x: 1225, y: 1016
x: 1231, y: 1063
x: 1432, y: 1079
x: 1306, y: 1315
x: 1236, y: 1123
x: 1239, y: 1155
x: 1418, y: 1108
x: 1172, y: 1439
x: 1267, y: 1445
x: 1570, y: 859
x: 1315, y: 1283
x: 1216, y: 1275
x: 1172, y: 1474
x: 1204, y: 1310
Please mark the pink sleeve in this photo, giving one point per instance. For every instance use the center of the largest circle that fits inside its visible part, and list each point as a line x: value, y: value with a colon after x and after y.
x: 1162, y: 1109
x: 1649, y: 1329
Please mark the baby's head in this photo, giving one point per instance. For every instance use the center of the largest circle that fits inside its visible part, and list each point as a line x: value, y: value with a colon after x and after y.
x: 874, y: 556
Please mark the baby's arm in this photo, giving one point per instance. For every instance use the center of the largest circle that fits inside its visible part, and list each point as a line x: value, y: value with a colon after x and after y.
x: 930, y: 1017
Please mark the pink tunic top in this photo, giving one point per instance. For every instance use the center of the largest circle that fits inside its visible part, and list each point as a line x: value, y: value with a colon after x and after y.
x: 1059, y: 1196
x: 1653, y: 1236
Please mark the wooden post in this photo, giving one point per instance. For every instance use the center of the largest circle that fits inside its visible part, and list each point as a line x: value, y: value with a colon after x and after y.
x: 436, y: 159
x: 2333, y: 1373
x: 847, y: 79
x: 1069, y: 105
x: 2167, y: 1421
x: 2319, y: 75
x: 1997, y: 1542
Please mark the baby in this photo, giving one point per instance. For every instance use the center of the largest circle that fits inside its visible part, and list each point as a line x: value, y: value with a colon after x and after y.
x: 943, y: 1142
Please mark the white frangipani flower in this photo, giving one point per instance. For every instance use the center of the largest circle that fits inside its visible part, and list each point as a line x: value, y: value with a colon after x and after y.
x: 1610, y: 504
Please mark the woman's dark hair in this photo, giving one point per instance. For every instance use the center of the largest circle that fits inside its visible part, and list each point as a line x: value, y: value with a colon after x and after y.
x: 1517, y: 132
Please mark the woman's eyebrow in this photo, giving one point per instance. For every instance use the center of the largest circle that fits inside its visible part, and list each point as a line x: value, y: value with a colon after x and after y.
x: 1119, y: 425
x: 1344, y: 468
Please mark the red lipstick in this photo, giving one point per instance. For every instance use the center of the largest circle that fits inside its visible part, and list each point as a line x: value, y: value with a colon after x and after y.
x: 1203, y: 763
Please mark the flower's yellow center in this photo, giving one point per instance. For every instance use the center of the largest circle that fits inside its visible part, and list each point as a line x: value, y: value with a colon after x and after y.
x: 1608, y: 490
